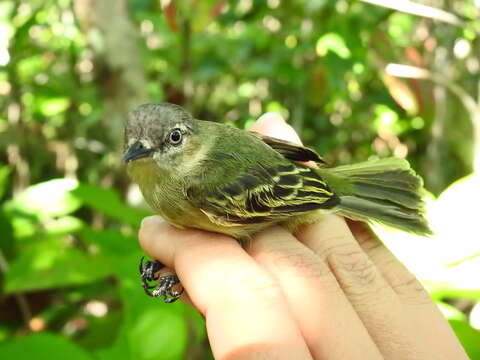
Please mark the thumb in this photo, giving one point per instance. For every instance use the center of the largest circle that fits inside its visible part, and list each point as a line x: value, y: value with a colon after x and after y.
x: 272, y: 124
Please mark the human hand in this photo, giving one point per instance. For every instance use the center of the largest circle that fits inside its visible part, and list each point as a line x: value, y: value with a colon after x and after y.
x: 329, y: 291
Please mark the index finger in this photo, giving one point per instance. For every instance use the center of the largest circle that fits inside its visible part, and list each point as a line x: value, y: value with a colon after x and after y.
x: 239, y: 299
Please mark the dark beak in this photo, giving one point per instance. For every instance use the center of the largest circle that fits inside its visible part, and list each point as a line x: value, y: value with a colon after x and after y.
x: 136, y: 151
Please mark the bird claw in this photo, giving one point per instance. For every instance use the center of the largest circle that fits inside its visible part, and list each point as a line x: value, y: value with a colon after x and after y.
x: 165, y: 284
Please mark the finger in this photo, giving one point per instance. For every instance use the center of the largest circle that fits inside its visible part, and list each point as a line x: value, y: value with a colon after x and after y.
x: 369, y: 293
x: 429, y: 323
x: 323, y: 313
x: 400, y: 279
x: 273, y: 125
x: 239, y: 300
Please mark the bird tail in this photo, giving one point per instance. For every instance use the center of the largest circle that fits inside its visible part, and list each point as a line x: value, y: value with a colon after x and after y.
x: 387, y: 191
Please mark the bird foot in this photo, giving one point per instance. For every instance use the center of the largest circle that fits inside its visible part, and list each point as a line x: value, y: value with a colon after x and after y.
x: 165, y: 285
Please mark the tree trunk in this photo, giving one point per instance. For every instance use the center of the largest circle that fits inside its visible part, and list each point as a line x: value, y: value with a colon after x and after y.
x: 118, y: 62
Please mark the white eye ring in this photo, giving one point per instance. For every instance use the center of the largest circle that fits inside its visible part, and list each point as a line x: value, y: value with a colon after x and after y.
x: 175, y: 137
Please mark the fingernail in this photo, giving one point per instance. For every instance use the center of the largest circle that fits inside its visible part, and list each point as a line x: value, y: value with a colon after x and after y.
x: 270, y: 117
x: 151, y: 220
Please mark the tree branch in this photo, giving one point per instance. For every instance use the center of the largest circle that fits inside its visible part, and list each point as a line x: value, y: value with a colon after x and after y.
x: 412, y: 8
x: 469, y: 103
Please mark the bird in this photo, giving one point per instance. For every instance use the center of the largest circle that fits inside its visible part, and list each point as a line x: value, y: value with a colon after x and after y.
x: 219, y: 178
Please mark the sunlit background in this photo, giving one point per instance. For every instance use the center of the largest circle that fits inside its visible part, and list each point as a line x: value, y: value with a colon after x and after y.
x: 357, y: 79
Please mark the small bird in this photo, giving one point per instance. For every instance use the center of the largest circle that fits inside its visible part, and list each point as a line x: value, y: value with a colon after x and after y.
x: 215, y: 177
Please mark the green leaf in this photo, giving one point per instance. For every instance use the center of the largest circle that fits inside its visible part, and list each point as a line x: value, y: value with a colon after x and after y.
x: 448, y: 227
x: 42, y: 346
x: 153, y: 330
x: 102, y: 331
x: 5, y: 332
x: 150, y: 330
x: 63, y: 225
x: 386, y: 120
x: 120, y: 350
x: 158, y: 334
x: 399, y: 28
x: 4, y: 177
x: 54, y: 106
x: 30, y: 65
x: 53, y: 268
x: 468, y: 336
x: 112, y: 242
x: 451, y: 312
x: 23, y: 225
x: 332, y: 42
x: 108, y: 202
x: 46, y: 199
x: 459, y: 281
x: 121, y: 346
x: 7, y: 243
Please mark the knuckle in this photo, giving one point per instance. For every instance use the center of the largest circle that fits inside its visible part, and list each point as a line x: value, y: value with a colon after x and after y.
x: 302, y: 263
x: 298, y: 263
x: 410, y: 290
x: 355, y: 272
x: 363, y: 233
x: 371, y: 245
x: 256, y: 286
x: 293, y: 259
x: 404, y: 283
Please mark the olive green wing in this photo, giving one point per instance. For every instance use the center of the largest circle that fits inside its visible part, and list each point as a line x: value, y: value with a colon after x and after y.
x: 291, y: 151
x: 263, y: 194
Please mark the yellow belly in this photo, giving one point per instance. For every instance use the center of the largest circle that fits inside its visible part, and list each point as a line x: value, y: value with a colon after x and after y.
x: 165, y: 197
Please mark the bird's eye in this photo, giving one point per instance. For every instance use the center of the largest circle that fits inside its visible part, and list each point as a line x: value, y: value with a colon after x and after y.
x: 175, y: 137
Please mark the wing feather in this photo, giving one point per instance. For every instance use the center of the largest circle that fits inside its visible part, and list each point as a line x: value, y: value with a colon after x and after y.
x: 291, y: 151
x: 260, y: 195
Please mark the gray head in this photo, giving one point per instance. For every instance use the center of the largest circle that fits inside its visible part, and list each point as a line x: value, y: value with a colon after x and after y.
x: 157, y: 130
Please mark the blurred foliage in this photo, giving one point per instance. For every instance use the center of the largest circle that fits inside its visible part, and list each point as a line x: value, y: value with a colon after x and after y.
x: 69, y: 70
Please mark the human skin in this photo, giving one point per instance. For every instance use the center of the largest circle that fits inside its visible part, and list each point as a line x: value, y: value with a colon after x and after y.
x: 331, y: 290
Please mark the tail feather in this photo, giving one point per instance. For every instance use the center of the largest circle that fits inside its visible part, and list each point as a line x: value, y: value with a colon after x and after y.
x: 399, y: 179
x: 404, y: 197
x: 387, y: 191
